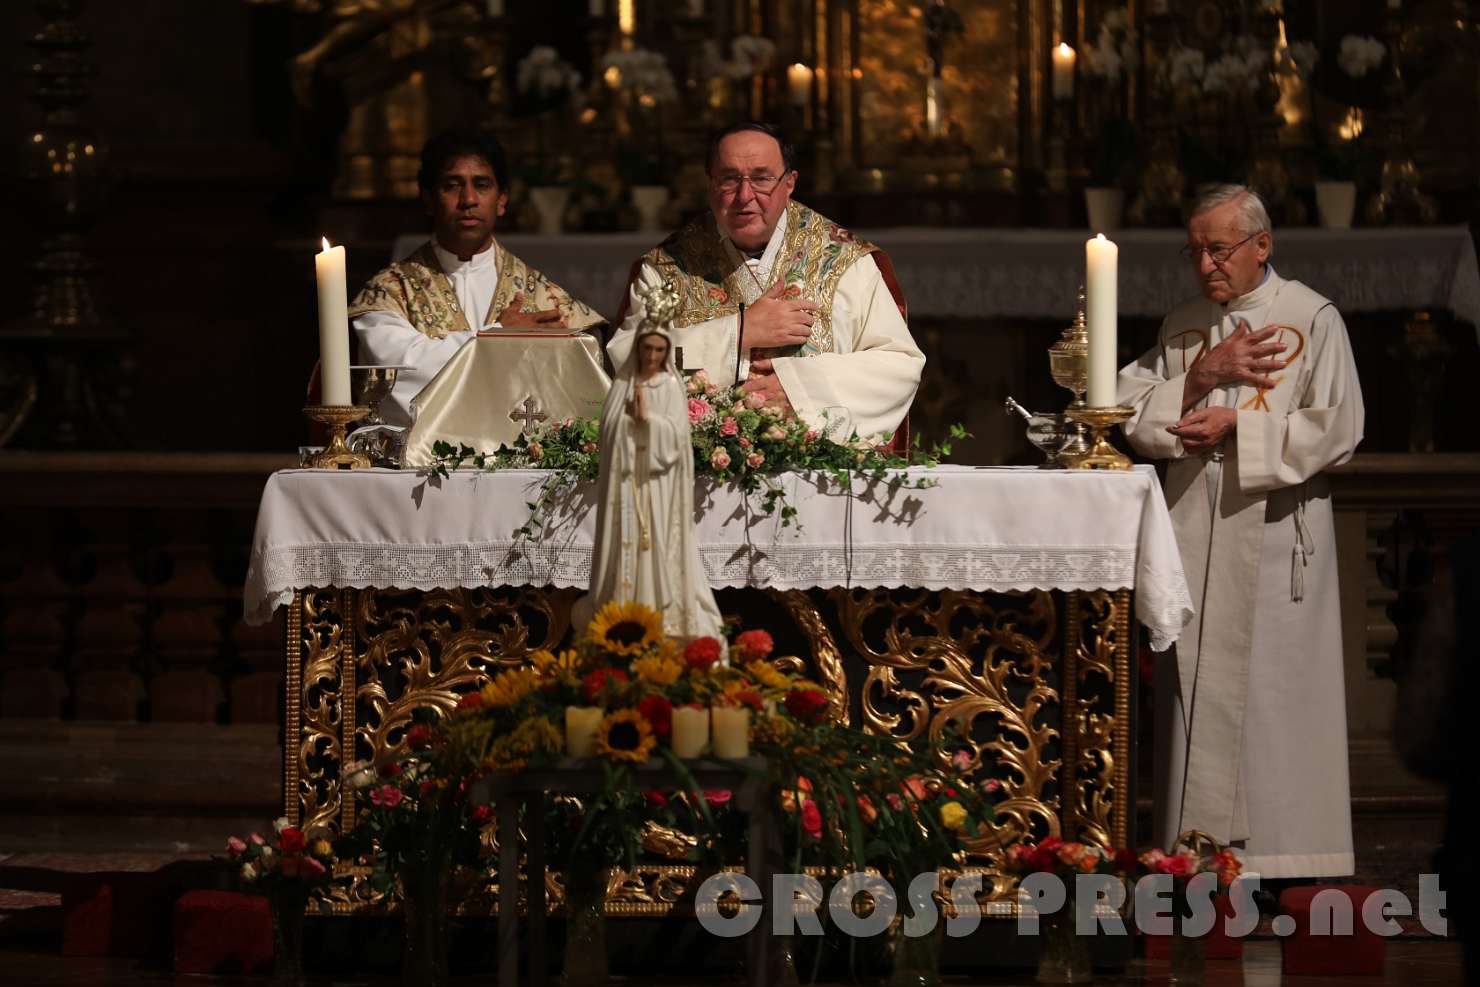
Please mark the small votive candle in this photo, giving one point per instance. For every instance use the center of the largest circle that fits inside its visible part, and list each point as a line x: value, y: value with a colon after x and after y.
x: 581, y: 724
x: 731, y: 731
x: 690, y: 731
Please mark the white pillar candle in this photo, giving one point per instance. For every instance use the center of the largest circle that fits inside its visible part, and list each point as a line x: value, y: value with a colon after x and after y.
x: 333, y: 326
x: 581, y: 723
x: 1063, y: 72
x: 731, y: 728
x: 690, y: 731
x: 799, y: 83
x: 1101, y: 261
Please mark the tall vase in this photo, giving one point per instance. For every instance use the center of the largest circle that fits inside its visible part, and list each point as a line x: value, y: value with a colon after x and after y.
x: 424, y: 905
x: 1336, y: 202
x: 649, y: 201
x: 1063, y: 956
x: 1188, y: 953
x: 585, y: 926
x: 550, y: 201
x: 287, y: 938
x: 1105, y: 207
x: 916, y: 958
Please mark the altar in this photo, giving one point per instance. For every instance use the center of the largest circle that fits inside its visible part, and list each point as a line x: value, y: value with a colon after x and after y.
x: 1005, y: 599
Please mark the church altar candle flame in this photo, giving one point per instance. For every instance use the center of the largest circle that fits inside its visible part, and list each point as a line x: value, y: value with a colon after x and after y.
x: 1101, y: 260
x: 1063, y: 72
x: 799, y: 83
x: 581, y: 724
x: 690, y: 731
x: 731, y: 726
x: 333, y: 326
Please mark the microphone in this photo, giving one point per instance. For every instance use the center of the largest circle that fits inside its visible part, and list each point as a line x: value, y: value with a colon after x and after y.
x: 739, y: 343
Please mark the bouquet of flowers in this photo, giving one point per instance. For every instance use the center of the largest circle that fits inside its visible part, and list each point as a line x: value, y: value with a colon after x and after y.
x: 290, y: 866
x: 735, y: 441
x: 1053, y: 855
x: 1187, y: 863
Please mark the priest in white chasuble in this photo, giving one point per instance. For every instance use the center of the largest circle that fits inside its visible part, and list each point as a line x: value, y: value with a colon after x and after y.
x: 824, y: 332
x: 1249, y: 394
x: 419, y: 311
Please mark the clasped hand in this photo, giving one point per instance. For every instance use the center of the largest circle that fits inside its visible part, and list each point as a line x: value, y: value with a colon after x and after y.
x: 775, y: 321
x: 1245, y: 357
x: 1201, y: 431
x: 513, y: 316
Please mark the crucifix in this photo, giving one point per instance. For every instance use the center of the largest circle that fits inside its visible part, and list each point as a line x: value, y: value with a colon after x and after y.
x: 528, y: 413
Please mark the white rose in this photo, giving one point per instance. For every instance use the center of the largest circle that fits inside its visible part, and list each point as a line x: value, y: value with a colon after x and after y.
x: 249, y: 872
x: 279, y: 824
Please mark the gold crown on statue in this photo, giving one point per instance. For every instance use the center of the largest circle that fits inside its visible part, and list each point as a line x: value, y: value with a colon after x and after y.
x: 661, y: 303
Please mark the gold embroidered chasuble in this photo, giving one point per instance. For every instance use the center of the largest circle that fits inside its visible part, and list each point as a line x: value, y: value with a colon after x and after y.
x: 419, y: 291
x: 815, y: 254
x: 1257, y: 539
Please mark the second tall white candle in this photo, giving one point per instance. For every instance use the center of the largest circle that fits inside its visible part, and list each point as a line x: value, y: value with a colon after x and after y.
x: 1101, y: 261
x: 333, y: 326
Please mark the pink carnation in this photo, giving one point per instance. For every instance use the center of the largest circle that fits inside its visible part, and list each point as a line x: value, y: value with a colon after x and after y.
x: 729, y: 426
x: 719, y: 459
x: 386, y: 796
x: 698, y: 408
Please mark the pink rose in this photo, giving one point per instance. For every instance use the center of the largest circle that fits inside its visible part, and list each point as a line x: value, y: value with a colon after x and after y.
x: 738, y: 406
x: 776, y: 433
x: 961, y: 760
x: 716, y: 797
x: 811, y: 435
x: 589, y: 447
x: 698, y: 408
x: 755, y: 459
x: 729, y: 426
x: 755, y: 399
x: 711, y: 390
x: 701, y: 375
x: 235, y: 847
x: 719, y: 459
x: 386, y: 796
x: 256, y: 840
x: 744, y: 443
x: 991, y: 786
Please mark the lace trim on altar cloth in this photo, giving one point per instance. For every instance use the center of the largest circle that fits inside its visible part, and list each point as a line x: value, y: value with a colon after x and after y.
x: 980, y: 568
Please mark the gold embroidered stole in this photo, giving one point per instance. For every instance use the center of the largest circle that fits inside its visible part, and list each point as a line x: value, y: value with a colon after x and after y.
x: 815, y: 254
x: 418, y: 290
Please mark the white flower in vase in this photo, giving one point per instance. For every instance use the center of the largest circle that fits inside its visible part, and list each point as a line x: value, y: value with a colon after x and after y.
x: 1360, y: 55
x: 543, y: 73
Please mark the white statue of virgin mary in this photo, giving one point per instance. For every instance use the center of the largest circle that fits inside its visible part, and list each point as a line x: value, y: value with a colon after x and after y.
x: 646, y: 551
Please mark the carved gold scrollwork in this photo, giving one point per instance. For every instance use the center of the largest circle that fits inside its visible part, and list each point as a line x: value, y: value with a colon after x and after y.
x: 324, y: 644
x: 1099, y: 643
x: 827, y: 660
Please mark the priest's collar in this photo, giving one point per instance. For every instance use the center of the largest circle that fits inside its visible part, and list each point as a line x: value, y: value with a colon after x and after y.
x: 1262, y: 295
x: 767, y: 257
x: 451, y: 263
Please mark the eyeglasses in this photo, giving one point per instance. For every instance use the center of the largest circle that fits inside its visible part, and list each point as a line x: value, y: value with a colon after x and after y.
x: 759, y: 184
x: 1218, y: 253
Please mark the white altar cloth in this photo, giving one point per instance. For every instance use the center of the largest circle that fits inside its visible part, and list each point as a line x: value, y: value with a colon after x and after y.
x: 984, y: 529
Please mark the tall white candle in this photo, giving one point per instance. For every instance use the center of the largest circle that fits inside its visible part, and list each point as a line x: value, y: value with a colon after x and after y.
x: 333, y: 326
x: 731, y: 726
x: 1101, y: 261
x: 1063, y: 72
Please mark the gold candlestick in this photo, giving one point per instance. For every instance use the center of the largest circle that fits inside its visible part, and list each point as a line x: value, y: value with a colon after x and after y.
x: 1102, y: 455
x: 336, y: 455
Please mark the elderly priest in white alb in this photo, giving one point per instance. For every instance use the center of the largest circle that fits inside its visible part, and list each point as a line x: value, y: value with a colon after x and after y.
x: 824, y: 324
x: 1250, y: 392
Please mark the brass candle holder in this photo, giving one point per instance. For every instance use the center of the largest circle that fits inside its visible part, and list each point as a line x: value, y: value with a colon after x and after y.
x: 1068, y: 364
x: 337, y: 455
x: 1102, y: 455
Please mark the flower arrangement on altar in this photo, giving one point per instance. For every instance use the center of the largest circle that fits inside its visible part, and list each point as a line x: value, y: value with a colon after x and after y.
x: 735, y: 441
x: 1215, y: 97
x: 1054, y: 855
x: 1188, y: 863
x: 1111, y: 61
x: 293, y: 866
x: 550, y: 89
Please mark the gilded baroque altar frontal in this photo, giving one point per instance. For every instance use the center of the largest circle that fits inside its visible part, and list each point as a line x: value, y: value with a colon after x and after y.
x: 1040, y: 678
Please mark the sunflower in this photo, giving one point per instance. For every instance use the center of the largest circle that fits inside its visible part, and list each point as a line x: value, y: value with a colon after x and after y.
x: 626, y: 628
x: 766, y: 674
x: 509, y: 686
x: 625, y: 736
x: 657, y: 669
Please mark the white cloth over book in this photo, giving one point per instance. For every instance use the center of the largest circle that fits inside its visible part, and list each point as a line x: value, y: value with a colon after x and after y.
x: 503, y: 383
